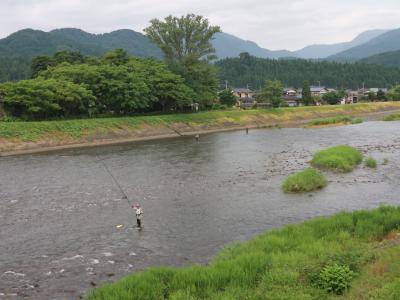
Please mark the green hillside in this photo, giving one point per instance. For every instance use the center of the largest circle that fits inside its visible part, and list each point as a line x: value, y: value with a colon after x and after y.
x: 17, y: 50
x: 254, y: 71
x: 390, y: 59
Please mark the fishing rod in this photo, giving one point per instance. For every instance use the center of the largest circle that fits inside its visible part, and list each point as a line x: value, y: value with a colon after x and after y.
x: 125, y: 196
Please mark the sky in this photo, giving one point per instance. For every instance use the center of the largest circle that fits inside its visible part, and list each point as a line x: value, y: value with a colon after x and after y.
x: 273, y: 24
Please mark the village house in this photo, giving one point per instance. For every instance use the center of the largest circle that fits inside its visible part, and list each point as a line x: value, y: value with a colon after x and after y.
x: 291, y: 97
x: 243, y: 93
x: 318, y: 91
x: 246, y: 97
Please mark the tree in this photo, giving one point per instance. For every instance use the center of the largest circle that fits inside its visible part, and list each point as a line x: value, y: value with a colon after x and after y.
x: 331, y: 98
x: 42, y: 63
x: 39, y: 98
x: 394, y: 93
x: 381, y: 96
x: 227, y: 97
x: 186, y: 39
x: 371, y: 96
x: 273, y: 92
x: 186, y: 44
x: 117, y: 57
x: 306, y: 94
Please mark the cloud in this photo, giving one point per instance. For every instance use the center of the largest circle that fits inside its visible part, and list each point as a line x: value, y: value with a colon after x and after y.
x: 274, y: 24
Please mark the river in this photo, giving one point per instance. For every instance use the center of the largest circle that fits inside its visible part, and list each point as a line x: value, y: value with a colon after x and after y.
x: 60, y: 212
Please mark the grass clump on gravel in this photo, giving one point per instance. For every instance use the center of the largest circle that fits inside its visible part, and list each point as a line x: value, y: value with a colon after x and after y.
x: 305, y: 181
x: 340, y: 158
x: 392, y: 117
x: 370, y: 162
x: 335, y: 120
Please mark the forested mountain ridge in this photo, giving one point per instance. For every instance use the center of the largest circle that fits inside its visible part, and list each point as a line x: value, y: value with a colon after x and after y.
x: 254, y: 71
x: 227, y: 45
x: 17, y: 50
x: 386, y: 42
x: 389, y: 59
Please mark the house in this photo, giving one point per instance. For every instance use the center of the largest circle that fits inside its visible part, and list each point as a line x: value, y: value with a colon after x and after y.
x: 352, y: 96
x: 243, y: 93
x: 318, y: 91
x: 291, y: 97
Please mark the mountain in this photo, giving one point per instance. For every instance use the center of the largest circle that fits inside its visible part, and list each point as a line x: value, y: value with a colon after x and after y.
x: 323, y: 51
x: 386, y: 42
x: 17, y: 50
x: 390, y: 59
x: 227, y: 45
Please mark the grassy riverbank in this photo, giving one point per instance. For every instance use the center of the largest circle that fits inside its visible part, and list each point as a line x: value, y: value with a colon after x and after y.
x: 16, y: 136
x: 354, y: 254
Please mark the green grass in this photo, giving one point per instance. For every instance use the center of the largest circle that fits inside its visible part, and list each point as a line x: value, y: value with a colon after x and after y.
x: 287, y: 263
x: 340, y: 158
x: 335, y: 120
x: 370, y: 162
x: 88, y: 128
x: 392, y: 117
x: 305, y: 181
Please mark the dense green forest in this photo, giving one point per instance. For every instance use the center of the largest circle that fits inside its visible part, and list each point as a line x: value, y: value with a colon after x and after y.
x: 389, y: 59
x: 254, y: 71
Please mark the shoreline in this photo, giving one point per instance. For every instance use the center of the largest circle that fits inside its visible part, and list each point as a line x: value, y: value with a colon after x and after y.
x: 173, y: 131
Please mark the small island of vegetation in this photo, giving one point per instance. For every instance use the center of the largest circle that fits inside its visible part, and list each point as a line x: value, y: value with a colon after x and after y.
x: 305, y: 181
x: 339, y: 158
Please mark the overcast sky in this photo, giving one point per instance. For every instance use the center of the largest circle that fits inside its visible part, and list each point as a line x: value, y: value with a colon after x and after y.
x: 273, y: 24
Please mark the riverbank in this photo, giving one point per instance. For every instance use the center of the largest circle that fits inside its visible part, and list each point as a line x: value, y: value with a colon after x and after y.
x: 348, y: 256
x: 31, y: 137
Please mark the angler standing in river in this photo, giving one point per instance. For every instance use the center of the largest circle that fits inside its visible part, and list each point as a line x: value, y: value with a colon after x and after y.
x: 139, y: 214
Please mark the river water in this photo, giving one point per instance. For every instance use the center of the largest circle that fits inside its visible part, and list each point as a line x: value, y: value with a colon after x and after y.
x: 60, y: 211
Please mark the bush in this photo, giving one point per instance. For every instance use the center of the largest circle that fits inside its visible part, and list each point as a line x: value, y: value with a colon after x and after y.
x: 370, y: 162
x: 335, y: 278
x: 305, y: 181
x: 341, y: 158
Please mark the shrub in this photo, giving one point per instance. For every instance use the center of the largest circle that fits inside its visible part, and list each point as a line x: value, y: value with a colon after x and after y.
x: 342, y: 158
x: 335, y: 278
x: 333, y: 120
x: 370, y: 162
x: 305, y: 181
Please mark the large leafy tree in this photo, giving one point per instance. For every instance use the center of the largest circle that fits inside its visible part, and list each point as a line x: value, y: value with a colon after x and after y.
x: 273, y: 92
x: 227, y: 97
x: 332, y: 98
x: 186, y: 39
x: 186, y: 44
x: 42, y: 63
x: 39, y: 98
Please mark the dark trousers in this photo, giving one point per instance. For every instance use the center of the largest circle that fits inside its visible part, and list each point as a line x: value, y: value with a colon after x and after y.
x: 139, y: 222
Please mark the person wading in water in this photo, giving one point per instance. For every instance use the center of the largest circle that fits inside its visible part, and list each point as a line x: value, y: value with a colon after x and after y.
x: 139, y: 213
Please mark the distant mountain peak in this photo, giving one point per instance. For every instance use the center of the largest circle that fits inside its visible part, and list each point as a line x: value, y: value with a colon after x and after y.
x: 326, y: 50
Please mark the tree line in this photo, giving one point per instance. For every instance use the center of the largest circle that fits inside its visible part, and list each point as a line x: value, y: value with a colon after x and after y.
x: 249, y: 70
